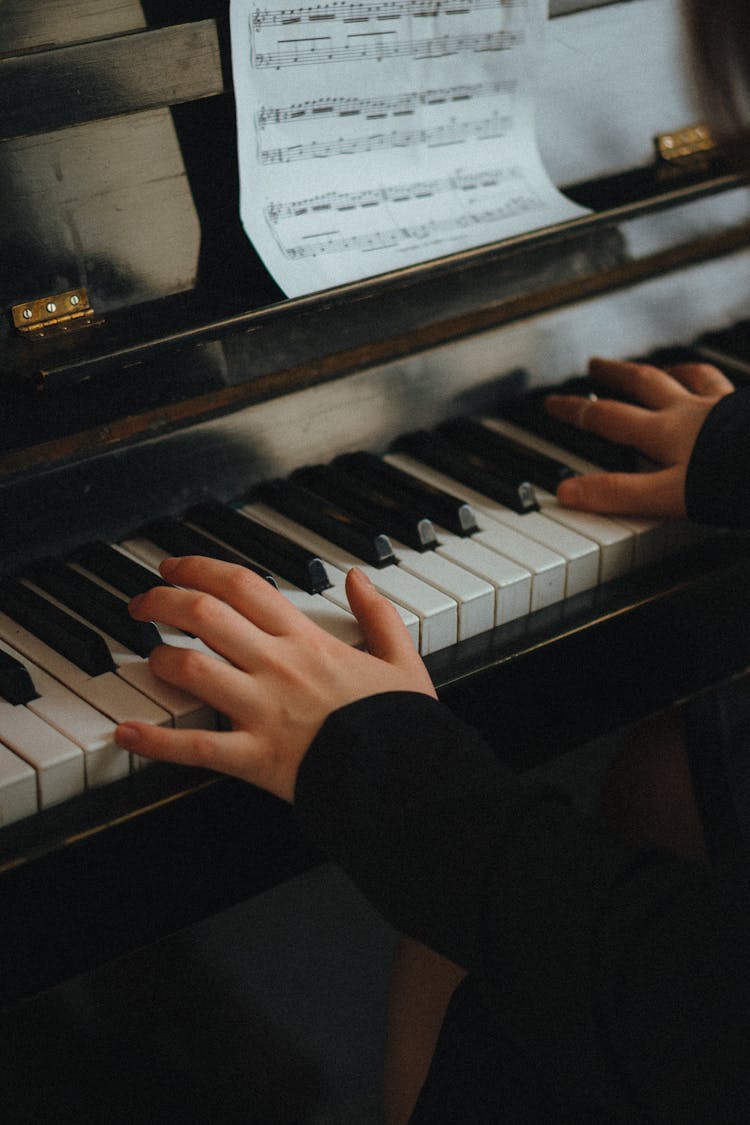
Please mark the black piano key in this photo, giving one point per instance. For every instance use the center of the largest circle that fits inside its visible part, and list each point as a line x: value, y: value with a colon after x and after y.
x: 369, y: 502
x: 78, y: 643
x: 16, y: 685
x: 279, y: 554
x: 119, y: 571
x: 729, y: 349
x: 448, y: 511
x: 528, y: 412
x: 671, y: 355
x: 508, y: 456
x: 176, y: 537
x: 327, y: 520
x: 734, y: 340
x: 104, y: 610
x: 471, y: 469
x: 707, y: 349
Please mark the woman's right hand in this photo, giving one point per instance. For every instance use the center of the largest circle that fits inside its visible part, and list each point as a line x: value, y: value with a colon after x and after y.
x: 281, y: 675
x: 675, y: 404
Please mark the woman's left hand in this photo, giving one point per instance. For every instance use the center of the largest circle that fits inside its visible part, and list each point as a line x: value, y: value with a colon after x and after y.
x: 668, y: 410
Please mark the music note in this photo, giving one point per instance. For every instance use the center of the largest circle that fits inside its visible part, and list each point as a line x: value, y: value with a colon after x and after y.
x: 375, y: 133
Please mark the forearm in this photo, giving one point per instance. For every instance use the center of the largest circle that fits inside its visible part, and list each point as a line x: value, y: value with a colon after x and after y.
x: 717, y: 486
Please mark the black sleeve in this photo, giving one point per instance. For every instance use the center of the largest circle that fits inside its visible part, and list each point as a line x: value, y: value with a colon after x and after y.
x: 630, y: 971
x: 718, y: 477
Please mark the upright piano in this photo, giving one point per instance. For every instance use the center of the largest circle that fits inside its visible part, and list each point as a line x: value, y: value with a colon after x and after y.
x: 153, y: 375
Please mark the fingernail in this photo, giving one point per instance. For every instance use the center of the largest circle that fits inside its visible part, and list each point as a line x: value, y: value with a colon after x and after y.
x: 570, y: 492
x: 166, y: 566
x: 127, y: 736
x: 364, y: 578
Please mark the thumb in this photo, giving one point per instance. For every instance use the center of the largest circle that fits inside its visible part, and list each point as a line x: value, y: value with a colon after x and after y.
x: 385, y: 634
x: 661, y: 493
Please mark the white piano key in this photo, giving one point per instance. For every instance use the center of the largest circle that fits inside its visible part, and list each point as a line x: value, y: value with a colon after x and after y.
x: 57, y: 762
x: 185, y: 710
x: 437, y: 613
x: 548, y: 569
x: 474, y: 596
x: 18, y: 790
x: 581, y: 554
x: 335, y: 619
x: 337, y: 593
x: 150, y: 554
x: 651, y: 537
x: 511, y: 582
x: 107, y: 693
x: 616, y: 542
x: 512, y: 586
x: 143, y: 550
x: 333, y: 616
x: 104, y: 760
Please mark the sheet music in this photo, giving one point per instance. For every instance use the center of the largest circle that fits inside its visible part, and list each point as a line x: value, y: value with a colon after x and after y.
x: 377, y: 135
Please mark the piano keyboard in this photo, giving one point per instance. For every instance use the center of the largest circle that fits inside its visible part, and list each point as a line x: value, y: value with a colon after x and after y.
x: 459, y: 528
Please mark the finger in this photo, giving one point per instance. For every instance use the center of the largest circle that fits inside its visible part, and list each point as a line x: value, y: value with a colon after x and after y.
x: 224, y: 688
x: 702, y: 378
x: 246, y: 592
x: 225, y: 751
x: 647, y: 494
x: 618, y: 422
x: 222, y: 628
x: 640, y: 381
x: 385, y: 634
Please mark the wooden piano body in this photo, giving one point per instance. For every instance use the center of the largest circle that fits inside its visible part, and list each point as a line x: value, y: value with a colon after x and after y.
x: 194, y: 377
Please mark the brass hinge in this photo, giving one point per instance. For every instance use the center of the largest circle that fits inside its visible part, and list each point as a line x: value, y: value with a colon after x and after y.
x: 49, y: 316
x: 692, y: 149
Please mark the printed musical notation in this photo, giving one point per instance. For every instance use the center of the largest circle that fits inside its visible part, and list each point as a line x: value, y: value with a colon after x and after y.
x: 344, y: 32
x: 398, y: 193
x: 362, y: 13
x: 434, y: 101
x: 395, y: 214
x: 452, y: 134
x: 517, y: 197
x: 396, y: 105
x: 404, y: 239
x: 379, y: 45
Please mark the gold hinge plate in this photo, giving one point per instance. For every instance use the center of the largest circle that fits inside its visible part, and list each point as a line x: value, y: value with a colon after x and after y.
x: 48, y: 316
x: 690, y: 149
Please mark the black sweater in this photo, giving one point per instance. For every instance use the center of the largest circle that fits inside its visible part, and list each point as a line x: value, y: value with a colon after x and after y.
x: 629, y: 970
